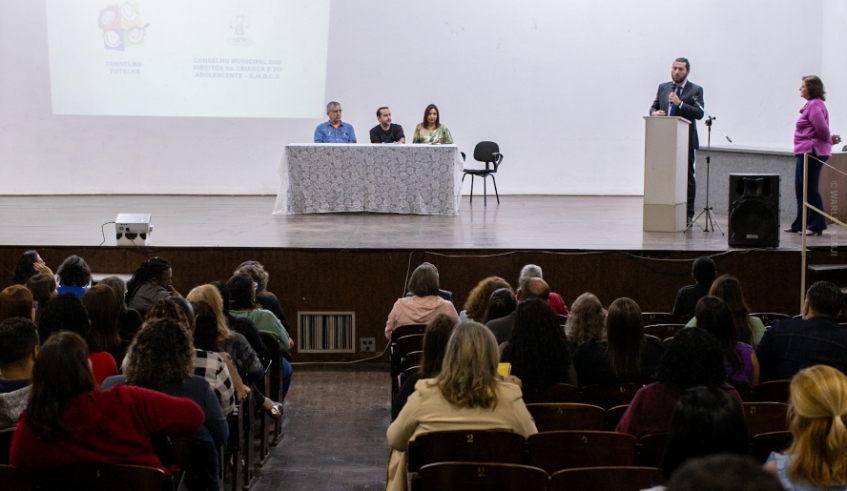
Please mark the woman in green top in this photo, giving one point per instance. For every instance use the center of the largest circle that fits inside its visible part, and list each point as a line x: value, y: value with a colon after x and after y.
x: 749, y: 329
x: 242, y: 292
x: 431, y: 130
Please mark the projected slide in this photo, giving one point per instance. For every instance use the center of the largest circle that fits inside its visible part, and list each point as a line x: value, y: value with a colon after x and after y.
x: 206, y: 58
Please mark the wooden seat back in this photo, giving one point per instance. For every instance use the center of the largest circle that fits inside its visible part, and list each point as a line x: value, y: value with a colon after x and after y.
x: 466, y: 446
x: 567, y: 416
x: 557, y: 450
x: 464, y: 476
x: 609, y: 395
x: 554, y: 393
x: 606, y: 479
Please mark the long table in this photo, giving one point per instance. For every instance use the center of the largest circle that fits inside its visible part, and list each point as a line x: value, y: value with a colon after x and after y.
x: 405, y: 178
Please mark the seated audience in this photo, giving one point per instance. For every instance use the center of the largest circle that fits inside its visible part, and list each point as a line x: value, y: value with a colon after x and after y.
x: 66, y: 313
x: 477, y: 302
x: 386, y: 131
x: 334, y: 130
x: 538, y: 348
x: 74, y: 276
x: 434, y: 346
x: 243, y: 325
x: 749, y: 329
x: 586, y: 321
x: 627, y: 355
x: 425, y: 303
x: 102, y: 307
x: 723, y: 472
x: 163, y: 360
x: 693, y: 358
x: 742, y: 366
x: 242, y: 293
x: 557, y: 303
x: 151, y: 282
x: 67, y: 421
x: 816, y: 339
x: 529, y: 288
x: 18, y: 351
x: 431, y: 130
x: 129, y: 320
x: 501, y: 303
x: 16, y: 301
x: 29, y: 265
x: 468, y: 394
x: 43, y: 289
x: 264, y: 298
x: 817, y: 457
x: 703, y: 272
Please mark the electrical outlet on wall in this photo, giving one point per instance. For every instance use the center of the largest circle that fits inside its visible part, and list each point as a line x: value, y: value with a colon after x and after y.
x: 367, y: 345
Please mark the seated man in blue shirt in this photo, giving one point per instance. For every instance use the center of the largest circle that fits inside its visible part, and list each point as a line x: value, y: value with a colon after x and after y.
x: 334, y: 130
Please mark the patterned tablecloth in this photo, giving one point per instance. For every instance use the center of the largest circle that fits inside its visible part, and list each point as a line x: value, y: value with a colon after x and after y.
x: 332, y: 178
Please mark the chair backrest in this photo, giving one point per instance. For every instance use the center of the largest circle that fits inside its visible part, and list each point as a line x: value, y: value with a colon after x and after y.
x: 15, y: 478
x: 763, y: 444
x: 466, y: 446
x: 464, y: 476
x: 5, y: 445
x: 765, y: 417
x: 606, y: 479
x: 554, y: 393
x: 613, y: 417
x: 651, y: 318
x: 609, y: 395
x: 557, y: 450
x: 276, y: 366
x: 768, y: 317
x: 406, y: 330
x: 484, y: 152
x: 773, y: 391
x: 412, y: 359
x: 101, y: 478
x: 567, y: 416
x: 404, y: 345
x: 651, y: 450
x: 663, y: 331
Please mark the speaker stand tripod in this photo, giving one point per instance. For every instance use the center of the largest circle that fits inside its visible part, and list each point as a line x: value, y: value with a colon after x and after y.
x: 711, y: 220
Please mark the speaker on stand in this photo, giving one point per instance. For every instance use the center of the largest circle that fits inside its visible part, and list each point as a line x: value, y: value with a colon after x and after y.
x: 753, y: 210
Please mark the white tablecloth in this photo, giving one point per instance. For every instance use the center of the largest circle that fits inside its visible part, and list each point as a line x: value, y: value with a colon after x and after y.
x: 332, y: 178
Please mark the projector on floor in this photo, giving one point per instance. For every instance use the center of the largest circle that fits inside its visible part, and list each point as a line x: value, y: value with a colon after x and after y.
x: 133, y: 229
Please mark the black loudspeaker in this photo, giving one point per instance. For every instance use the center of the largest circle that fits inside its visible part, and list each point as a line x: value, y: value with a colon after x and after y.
x: 753, y: 210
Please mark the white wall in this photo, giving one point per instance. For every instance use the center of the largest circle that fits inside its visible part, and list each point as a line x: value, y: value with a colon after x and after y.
x: 561, y: 85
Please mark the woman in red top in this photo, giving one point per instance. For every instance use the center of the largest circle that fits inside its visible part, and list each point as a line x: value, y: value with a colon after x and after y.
x: 67, y: 421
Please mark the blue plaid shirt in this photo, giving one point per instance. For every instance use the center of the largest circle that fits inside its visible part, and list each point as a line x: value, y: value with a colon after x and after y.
x: 325, y: 133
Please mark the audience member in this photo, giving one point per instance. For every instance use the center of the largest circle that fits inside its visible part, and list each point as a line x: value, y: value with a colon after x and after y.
x: 723, y: 472
x: 501, y: 303
x: 67, y: 421
x: 627, y: 355
x: 703, y: 272
x: 586, y: 321
x: 164, y: 361
x: 742, y: 366
x: 334, y: 130
x: 74, y: 276
x: 434, y: 346
x: 18, y: 351
x: 431, y: 130
x: 479, y: 297
x: 242, y: 292
x: 557, y: 303
x: 386, y: 131
x: 529, y: 288
x: 129, y: 320
x: 538, y: 348
x: 151, y: 282
x: 468, y: 394
x: 264, y: 298
x: 103, y: 311
x: 16, y: 301
x: 29, y: 265
x: 817, y: 457
x: 749, y: 328
x: 425, y: 303
x: 66, y: 313
x: 243, y: 325
x: 445, y: 294
x: 43, y: 289
x: 693, y: 358
x: 816, y: 339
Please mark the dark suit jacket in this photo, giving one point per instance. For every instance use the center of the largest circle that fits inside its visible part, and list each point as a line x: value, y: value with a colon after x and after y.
x: 793, y: 344
x: 502, y: 327
x: 691, y: 95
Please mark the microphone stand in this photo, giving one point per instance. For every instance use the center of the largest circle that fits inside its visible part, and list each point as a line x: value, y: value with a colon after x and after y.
x: 710, y: 215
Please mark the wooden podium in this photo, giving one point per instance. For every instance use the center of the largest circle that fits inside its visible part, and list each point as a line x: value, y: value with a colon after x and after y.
x: 665, y: 173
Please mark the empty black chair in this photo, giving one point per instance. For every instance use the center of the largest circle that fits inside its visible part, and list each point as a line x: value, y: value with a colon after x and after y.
x: 488, y: 152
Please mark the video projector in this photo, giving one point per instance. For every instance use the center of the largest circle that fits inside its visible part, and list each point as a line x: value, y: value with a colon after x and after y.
x: 133, y: 229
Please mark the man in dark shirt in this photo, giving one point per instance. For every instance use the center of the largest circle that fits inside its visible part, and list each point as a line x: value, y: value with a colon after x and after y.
x: 703, y: 272
x: 816, y: 339
x: 385, y: 131
x: 529, y: 288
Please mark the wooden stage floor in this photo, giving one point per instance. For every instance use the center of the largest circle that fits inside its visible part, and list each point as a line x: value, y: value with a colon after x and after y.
x: 597, y: 223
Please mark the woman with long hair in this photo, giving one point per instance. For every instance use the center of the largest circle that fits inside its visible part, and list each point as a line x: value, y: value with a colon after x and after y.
x: 243, y: 325
x: 477, y: 302
x: 586, y: 321
x: 29, y: 265
x: 129, y: 320
x: 749, y: 329
x: 627, y: 355
x: 467, y: 394
x: 43, y: 289
x: 538, y: 349
x: 434, y: 346
x: 423, y: 305
x: 431, y: 130
x: 67, y: 421
x: 242, y: 293
x: 742, y: 366
x: 151, y: 282
x: 16, y: 301
x: 102, y: 307
x: 817, y: 457
x: 264, y: 298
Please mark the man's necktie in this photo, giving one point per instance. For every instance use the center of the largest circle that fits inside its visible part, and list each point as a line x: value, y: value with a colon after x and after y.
x: 674, y: 107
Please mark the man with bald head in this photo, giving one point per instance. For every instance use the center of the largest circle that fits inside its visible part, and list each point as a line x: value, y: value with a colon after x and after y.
x: 528, y: 288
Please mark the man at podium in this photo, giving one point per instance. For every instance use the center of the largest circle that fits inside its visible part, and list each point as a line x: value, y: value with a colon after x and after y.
x: 684, y: 99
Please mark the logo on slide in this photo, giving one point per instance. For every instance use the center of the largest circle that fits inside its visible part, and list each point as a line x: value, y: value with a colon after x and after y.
x: 239, y: 23
x: 122, y: 27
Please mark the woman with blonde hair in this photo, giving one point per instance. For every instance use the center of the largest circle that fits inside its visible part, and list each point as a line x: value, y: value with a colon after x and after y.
x: 817, y: 457
x: 468, y: 394
x: 477, y: 302
x: 587, y: 320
